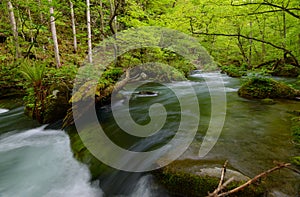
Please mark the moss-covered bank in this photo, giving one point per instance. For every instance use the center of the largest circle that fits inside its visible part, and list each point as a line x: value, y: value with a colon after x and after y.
x: 82, y: 154
x: 296, y: 134
x: 197, y: 178
x: 261, y: 88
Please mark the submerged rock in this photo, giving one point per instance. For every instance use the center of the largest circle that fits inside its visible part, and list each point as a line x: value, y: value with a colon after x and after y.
x: 261, y: 88
x: 197, y: 178
x: 268, y: 101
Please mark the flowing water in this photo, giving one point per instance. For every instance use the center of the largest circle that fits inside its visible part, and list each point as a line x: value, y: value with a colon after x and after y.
x: 35, y: 161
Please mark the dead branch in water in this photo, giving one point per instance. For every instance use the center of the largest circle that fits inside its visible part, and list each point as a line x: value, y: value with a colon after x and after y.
x: 221, y: 186
x: 241, y: 187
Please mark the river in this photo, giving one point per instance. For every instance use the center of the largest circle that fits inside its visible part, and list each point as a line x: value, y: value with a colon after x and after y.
x: 35, y: 161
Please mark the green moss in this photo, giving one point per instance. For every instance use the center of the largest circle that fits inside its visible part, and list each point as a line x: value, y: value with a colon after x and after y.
x: 234, y: 71
x: 286, y: 70
x: 296, y: 134
x: 296, y: 160
x: 268, y: 101
x: 82, y: 154
x: 261, y: 88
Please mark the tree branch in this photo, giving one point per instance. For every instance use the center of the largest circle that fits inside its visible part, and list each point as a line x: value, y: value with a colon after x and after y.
x: 279, y: 166
x: 284, y: 9
x: 221, y: 185
x: 286, y: 51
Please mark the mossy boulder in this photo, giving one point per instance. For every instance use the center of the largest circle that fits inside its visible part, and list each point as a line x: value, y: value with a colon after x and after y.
x: 286, y: 71
x: 57, y: 102
x: 197, y: 178
x: 233, y: 71
x: 261, y: 88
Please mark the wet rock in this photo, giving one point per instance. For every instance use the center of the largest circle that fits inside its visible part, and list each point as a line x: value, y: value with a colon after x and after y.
x: 57, y: 103
x: 216, y: 171
x: 197, y: 178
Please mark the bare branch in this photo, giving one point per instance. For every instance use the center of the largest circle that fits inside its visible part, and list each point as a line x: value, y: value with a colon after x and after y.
x: 221, y: 185
x: 284, y: 9
x: 279, y: 166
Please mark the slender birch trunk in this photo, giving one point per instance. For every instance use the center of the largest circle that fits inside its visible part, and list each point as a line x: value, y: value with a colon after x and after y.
x: 14, y: 27
x: 88, y: 17
x: 101, y: 20
x: 54, y: 35
x: 113, y: 17
x: 73, y: 27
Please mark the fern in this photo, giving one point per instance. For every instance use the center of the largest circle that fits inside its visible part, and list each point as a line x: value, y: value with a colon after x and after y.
x: 33, y: 73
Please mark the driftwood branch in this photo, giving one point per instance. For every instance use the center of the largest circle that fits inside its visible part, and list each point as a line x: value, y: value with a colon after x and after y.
x: 221, y: 186
x: 223, y: 174
x: 279, y: 166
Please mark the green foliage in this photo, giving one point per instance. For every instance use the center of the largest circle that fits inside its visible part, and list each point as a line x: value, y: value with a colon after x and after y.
x: 11, y: 80
x: 234, y: 71
x: 33, y: 72
x: 296, y: 160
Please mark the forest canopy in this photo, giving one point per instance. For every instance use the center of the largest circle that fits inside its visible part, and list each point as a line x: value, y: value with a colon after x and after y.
x: 243, y: 32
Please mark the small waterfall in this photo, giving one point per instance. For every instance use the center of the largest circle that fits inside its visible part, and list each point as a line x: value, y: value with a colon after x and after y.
x: 38, y: 162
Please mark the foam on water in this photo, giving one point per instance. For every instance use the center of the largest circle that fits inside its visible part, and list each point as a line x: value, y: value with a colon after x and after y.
x: 3, y: 110
x: 39, y: 162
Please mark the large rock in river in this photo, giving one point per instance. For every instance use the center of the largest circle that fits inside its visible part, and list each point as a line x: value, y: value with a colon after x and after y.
x: 260, y: 88
x: 197, y: 178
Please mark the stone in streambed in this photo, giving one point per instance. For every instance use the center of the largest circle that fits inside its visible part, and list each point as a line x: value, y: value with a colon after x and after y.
x: 262, y: 88
x: 197, y: 178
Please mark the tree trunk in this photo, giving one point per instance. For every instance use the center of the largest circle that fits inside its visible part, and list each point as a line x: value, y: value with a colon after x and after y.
x: 14, y: 28
x: 101, y: 20
x: 113, y: 26
x: 250, y: 47
x: 113, y: 17
x: 54, y: 35
x: 284, y: 26
x: 73, y: 27
x: 88, y: 17
x: 30, y: 31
